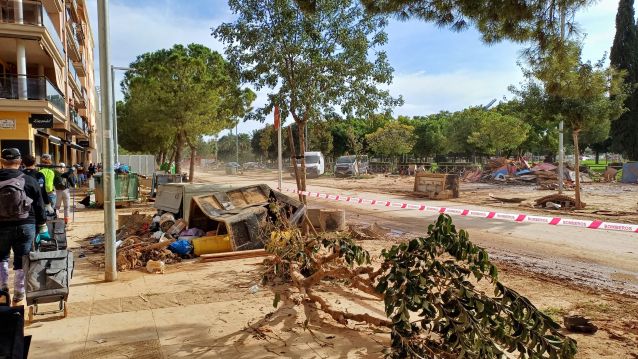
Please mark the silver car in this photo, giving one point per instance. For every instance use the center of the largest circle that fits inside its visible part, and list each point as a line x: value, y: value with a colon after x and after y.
x: 347, y: 166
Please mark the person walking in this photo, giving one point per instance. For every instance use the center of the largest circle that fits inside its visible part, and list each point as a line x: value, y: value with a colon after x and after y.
x: 21, y: 216
x: 64, y: 179
x: 49, y: 176
x: 29, y: 163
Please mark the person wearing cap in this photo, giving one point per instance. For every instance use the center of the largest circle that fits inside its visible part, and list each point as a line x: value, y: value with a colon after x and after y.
x: 49, y: 175
x: 21, y: 216
x: 64, y: 180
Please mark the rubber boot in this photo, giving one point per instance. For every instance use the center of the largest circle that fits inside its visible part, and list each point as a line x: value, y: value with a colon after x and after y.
x: 18, y: 286
x: 4, y: 276
x: 66, y: 220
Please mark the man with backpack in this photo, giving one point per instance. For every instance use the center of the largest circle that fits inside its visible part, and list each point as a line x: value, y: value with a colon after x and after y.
x: 22, y: 215
x: 29, y: 163
x: 62, y: 181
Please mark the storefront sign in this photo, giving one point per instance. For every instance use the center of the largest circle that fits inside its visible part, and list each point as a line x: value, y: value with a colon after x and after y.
x: 7, y: 124
x: 41, y: 120
x: 83, y: 143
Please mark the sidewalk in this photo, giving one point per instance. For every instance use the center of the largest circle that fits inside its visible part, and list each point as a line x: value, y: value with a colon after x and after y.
x: 194, y: 310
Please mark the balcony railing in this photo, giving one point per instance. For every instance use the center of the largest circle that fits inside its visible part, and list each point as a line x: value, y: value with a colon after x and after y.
x: 79, y: 121
x: 21, y: 12
x: 74, y: 75
x: 27, y: 87
x: 32, y: 13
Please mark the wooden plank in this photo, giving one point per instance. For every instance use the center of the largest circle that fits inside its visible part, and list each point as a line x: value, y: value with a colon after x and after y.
x: 245, y: 254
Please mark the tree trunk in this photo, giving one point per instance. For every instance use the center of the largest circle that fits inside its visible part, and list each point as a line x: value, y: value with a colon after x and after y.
x: 577, y: 169
x: 179, y: 145
x: 162, y: 157
x: 191, y: 170
x: 597, y: 157
x: 301, y: 125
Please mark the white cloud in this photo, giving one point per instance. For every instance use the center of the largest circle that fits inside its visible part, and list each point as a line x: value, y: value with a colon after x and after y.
x: 430, y: 93
x: 135, y: 30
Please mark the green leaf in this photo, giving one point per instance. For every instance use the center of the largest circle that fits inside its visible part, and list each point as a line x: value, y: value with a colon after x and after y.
x: 275, y: 301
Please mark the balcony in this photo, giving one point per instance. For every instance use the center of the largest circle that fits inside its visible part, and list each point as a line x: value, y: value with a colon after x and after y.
x: 28, y: 20
x: 72, y: 42
x: 76, y: 84
x: 26, y: 87
x: 78, y: 123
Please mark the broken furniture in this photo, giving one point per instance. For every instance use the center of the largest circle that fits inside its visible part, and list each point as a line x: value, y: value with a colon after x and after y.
x: 241, y: 214
x: 176, y: 197
x: 437, y: 185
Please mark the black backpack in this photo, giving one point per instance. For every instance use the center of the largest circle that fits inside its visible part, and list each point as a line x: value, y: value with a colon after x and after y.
x: 14, y: 202
x: 59, y: 182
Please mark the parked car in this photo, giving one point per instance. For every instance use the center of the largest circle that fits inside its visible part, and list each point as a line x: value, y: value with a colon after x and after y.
x: 351, y: 166
x: 315, y: 165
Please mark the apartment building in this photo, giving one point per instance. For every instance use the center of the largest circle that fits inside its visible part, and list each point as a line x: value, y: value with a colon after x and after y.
x: 47, y: 91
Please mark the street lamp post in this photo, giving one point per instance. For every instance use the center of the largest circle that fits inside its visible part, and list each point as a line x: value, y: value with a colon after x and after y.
x: 108, y: 174
x: 116, y: 144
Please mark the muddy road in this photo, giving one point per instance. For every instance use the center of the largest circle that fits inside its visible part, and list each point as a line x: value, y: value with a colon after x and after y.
x: 600, y: 260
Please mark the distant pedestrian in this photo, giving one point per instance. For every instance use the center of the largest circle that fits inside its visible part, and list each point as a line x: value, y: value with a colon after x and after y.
x: 46, y: 169
x: 64, y: 180
x: 29, y: 163
x: 21, y: 213
x: 91, y: 170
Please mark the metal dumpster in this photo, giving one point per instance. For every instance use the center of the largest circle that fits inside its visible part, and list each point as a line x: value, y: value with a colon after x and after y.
x: 126, y: 189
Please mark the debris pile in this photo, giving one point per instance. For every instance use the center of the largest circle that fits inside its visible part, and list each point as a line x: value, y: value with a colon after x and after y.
x: 222, y: 221
x: 519, y: 171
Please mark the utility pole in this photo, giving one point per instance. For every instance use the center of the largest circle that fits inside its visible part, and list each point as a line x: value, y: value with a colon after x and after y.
x: 561, y: 125
x: 108, y: 174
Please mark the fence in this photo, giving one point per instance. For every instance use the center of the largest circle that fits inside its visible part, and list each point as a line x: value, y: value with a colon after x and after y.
x: 140, y: 164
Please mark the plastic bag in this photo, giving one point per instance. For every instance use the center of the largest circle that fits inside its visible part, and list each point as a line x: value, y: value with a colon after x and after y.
x: 181, y: 247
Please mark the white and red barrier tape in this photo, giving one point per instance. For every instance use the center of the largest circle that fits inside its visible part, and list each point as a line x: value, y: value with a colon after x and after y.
x: 519, y: 218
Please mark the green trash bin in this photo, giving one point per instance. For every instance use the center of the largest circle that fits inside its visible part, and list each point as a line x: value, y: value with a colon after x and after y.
x: 126, y: 189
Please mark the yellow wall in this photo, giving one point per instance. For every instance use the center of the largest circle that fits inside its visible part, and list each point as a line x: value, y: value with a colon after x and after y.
x: 23, y: 130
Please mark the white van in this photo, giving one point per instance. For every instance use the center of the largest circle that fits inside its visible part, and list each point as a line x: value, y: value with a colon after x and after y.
x: 315, y: 165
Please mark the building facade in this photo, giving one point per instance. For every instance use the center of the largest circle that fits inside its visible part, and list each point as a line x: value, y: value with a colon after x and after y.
x: 47, y: 89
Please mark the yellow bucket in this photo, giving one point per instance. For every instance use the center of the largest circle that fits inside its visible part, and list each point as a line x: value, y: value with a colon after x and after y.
x: 212, y: 244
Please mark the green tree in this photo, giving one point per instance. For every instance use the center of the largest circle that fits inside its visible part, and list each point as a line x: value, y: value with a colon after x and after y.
x: 314, y: 63
x: 429, y: 132
x: 529, y: 106
x: 264, y: 143
x: 227, y: 151
x: 586, y: 96
x: 183, y: 93
x: 624, y: 56
x: 496, y: 132
x: 393, y: 139
x: 459, y: 127
x: 515, y: 20
x: 320, y: 137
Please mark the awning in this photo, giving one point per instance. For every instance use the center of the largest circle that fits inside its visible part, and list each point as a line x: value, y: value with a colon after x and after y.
x: 55, y: 140
x: 41, y: 134
x: 77, y: 147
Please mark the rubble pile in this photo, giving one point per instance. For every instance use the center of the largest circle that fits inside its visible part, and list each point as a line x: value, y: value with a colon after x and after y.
x: 519, y: 171
x: 220, y: 221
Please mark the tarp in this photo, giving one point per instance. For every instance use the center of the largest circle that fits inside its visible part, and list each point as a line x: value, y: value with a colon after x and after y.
x: 630, y: 172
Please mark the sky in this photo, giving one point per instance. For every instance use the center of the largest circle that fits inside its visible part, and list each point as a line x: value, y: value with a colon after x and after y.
x: 434, y: 69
